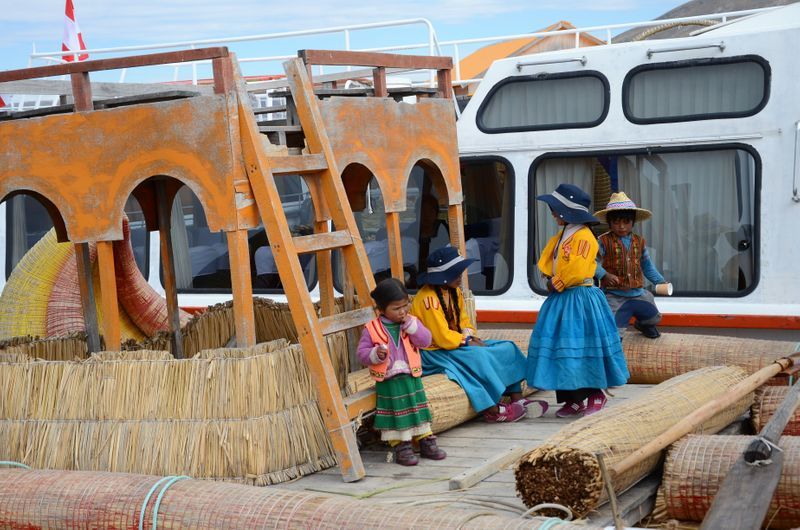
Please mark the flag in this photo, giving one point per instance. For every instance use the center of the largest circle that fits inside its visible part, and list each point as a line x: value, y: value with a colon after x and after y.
x: 72, y: 40
x: 2, y: 102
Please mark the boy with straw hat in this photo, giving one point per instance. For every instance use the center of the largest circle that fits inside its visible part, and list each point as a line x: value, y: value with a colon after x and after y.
x: 622, y: 264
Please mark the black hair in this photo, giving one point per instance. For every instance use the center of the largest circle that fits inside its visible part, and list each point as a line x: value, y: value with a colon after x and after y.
x: 451, y: 314
x: 388, y: 291
x: 624, y: 215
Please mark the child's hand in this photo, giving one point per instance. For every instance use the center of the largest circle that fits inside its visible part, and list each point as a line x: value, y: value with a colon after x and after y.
x: 611, y: 280
x: 477, y: 341
x: 382, y: 351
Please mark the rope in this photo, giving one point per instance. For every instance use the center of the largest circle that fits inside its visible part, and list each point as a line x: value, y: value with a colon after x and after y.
x: 161, y: 495
x: 657, y: 29
x: 9, y: 463
x: 552, y: 505
x: 170, y: 480
x: 550, y: 523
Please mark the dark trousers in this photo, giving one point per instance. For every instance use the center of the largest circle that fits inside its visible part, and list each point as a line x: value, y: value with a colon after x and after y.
x: 575, y: 396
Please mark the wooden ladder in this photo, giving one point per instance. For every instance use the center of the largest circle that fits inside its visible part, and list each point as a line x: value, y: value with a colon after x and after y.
x: 331, y: 204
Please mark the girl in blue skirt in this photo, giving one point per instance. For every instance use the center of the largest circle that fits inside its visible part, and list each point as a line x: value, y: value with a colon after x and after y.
x: 575, y: 348
x: 486, y: 370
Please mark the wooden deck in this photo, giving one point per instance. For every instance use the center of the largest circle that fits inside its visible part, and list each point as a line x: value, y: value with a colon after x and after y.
x: 468, y: 446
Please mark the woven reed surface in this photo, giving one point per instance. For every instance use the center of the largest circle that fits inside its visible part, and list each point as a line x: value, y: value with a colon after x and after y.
x: 766, y: 402
x: 61, y: 500
x: 653, y: 361
x: 696, y: 466
x: 564, y: 468
x: 247, y: 415
x: 23, y: 304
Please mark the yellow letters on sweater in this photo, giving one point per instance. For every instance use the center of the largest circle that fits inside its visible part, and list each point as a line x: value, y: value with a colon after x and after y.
x: 427, y: 308
x: 576, y: 259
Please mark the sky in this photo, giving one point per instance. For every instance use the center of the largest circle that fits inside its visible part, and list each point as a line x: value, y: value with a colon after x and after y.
x: 112, y: 23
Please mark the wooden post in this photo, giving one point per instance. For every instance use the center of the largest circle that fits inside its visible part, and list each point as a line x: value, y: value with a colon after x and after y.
x: 168, y: 266
x: 379, y: 82
x: 241, y: 288
x: 86, y: 287
x: 108, y: 294
x: 395, y: 245
x: 455, y: 217
x: 444, y: 84
x: 81, y: 91
x: 325, y: 274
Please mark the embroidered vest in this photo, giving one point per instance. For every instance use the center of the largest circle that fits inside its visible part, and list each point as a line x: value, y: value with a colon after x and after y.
x: 624, y: 262
x: 379, y: 335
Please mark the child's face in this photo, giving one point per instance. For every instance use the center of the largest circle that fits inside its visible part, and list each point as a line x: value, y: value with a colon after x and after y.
x: 455, y: 284
x: 621, y: 227
x: 559, y: 220
x: 396, y: 311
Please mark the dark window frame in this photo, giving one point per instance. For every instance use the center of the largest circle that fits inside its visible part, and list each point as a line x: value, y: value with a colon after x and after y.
x: 532, y: 243
x: 545, y: 77
x: 691, y: 63
x: 513, y: 181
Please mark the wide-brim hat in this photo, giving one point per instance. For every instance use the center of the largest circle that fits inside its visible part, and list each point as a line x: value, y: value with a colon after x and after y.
x: 570, y: 203
x: 620, y: 202
x: 444, y: 265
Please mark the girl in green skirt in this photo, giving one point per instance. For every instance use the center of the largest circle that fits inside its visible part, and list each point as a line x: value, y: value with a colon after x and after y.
x: 390, y: 347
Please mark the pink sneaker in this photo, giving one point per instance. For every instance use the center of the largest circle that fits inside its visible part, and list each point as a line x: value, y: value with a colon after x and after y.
x: 569, y: 409
x: 535, y: 408
x: 595, y: 403
x: 506, y: 413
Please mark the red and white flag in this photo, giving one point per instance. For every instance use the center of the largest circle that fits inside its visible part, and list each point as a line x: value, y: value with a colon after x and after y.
x: 72, y: 40
x: 2, y: 102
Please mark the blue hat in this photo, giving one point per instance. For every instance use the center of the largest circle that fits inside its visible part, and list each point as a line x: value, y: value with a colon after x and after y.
x: 444, y: 265
x: 570, y: 203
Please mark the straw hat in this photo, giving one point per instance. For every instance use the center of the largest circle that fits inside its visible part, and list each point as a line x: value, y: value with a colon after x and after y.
x: 570, y: 203
x: 621, y: 202
x: 444, y: 265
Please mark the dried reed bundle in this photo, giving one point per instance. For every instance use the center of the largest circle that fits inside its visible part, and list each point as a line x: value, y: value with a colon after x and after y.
x: 565, y: 469
x: 696, y: 466
x: 448, y: 403
x: 132, y: 355
x: 56, y: 499
x: 13, y: 357
x: 23, y: 304
x: 66, y: 348
x: 358, y: 381
x: 766, y: 402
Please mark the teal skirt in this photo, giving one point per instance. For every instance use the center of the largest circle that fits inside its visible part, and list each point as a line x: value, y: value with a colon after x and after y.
x: 401, y: 412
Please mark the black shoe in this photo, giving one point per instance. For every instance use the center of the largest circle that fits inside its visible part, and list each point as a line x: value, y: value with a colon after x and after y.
x: 651, y: 332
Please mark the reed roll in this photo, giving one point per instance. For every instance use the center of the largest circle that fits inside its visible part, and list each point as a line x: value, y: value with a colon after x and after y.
x: 696, y: 466
x: 766, y: 402
x: 58, y: 499
x: 565, y: 470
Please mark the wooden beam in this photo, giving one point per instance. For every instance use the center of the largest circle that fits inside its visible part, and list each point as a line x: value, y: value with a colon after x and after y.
x: 82, y: 91
x: 360, y: 402
x: 327, y: 295
x: 241, y: 288
x: 43, y: 87
x: 444, y: 84
x: 223, y: 74
x: 379, y: 82
x: 108, y: 295
x: 86, y: 287
x: 298, y: 164
x: 389, y: 60
x: 472, y: 476
x: 455, y: 216
x: 168, y: 267
x: 116, y: 63
x: 346, y: 320
x: 395, y: 245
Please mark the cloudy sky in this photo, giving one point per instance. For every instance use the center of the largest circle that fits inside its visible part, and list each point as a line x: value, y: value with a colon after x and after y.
x: 109, y: 23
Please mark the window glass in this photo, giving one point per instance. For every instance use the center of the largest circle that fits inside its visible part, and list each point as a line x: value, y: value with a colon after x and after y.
x: 27, y: 221
x: 201, y: 256
x: 702, y: 236
x: 679, y: 92
x: 545, y: 102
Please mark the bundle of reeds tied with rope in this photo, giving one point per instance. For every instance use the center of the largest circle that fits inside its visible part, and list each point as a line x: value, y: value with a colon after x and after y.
x: 57, y: 499
x: 766, y: 402
x: 248, y: 415
x: 695, y: 469
x: 67, y: 348
x: 565, y: 468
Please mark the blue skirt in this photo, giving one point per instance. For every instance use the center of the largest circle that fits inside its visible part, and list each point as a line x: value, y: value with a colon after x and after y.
x: 575, y: 343
x: 484, y: 372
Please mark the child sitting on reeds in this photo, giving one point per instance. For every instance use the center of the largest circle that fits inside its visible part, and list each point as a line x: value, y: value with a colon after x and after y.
x: 390, y: 346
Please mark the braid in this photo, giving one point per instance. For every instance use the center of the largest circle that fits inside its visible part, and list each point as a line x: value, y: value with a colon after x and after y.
x: 457, y: 307
x: 452, y: 320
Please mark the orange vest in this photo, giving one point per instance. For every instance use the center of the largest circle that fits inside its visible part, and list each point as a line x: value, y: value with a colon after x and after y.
x: 379, y: 335
x: 623, y: 262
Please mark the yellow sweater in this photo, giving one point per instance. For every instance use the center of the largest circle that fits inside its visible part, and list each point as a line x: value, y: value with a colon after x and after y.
x: 575, y: 263
x: 427, y: 308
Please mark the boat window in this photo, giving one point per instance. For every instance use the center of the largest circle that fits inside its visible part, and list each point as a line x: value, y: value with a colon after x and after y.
x: 201, y: 256
x: 27, y: 221
x: 545, y: 101
x: 488, y: 185
x: 696, y: 90
x: 703, y: 236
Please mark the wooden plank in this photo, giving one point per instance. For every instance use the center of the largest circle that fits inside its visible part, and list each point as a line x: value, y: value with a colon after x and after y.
x: 388, y: 60
x: 163, y: 208
x: 242, y: 289
x: 108, y: 295
x: 223, y: 74
x: 322, y: 241
x: 444, y: 84
x: 455, y: 216
x: 114, y: 63
x: 298, y: 165
x: 86, y: 287
x: 379, y: 82
x: 280, y: 128
x: 346, y: 320
x: 360, y: 402
x: 46, y: 87
x: 754, y: 476
x: 81, y: 91
x: 395, y: 243
x: 489, y: 467
x: 327, y: 294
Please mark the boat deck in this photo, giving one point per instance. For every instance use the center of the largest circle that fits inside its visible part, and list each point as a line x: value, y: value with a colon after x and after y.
x: 468, y: 446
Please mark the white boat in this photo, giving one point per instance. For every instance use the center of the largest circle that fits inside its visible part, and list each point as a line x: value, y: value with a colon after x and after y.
x: 702, y: 130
